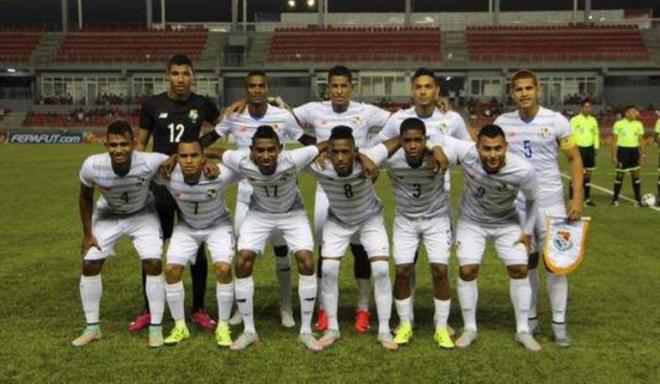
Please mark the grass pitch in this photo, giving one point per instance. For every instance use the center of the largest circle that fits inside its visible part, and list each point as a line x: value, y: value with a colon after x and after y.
x: 614, y: 318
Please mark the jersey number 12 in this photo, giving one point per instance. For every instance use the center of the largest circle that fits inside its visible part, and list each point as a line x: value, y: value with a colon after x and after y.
x: 175, y: 132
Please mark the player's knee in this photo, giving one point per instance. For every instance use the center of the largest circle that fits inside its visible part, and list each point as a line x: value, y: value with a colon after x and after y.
x: 152, y: 267
x: 468, y: 272
x: 380, y: 269
x: 403, y: 271
x: 244, y: 263
x: 330, y: 269
x: 305, y: 260
x: 173, y: 273
x: 518, y: 271
x: 533, y: 262
x: 92, y: 267
x: 281, y: 251
x: 223, y: 273
x: 439, y: 272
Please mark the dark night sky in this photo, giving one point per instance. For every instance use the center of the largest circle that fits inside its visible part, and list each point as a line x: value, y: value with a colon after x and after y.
x: 133, y: 11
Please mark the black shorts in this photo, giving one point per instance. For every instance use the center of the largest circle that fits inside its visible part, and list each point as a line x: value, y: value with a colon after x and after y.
x: 627, y: 159
x: 588, y: 155
x: 166, y: 208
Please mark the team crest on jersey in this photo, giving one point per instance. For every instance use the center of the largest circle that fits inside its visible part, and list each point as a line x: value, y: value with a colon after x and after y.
x: 501, y: 187
x: 357, y: 120
x: 193, y: 115
x: 563, y: 240
x: 545, y: 132
x: 211, y: 193
x: 444, y: 127
x: 276, y: 127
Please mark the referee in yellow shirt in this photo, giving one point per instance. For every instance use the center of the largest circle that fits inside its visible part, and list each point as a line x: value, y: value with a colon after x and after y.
x: 585, y: 131
x: 627, y: 152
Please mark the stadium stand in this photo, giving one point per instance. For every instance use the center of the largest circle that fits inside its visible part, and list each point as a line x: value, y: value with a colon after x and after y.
x: 97, y: 117
x: 17, y: 45
x: 130, y: 45
x: 556, y: 43
x: 356, y: 44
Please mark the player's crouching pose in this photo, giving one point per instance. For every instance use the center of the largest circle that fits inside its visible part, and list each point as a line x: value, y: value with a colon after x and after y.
x: 422, y: 213
x: 275, y: 204
x: 125, y: 208
x: 493, y: 179
x: 354, y: 209
x: 204, y: 219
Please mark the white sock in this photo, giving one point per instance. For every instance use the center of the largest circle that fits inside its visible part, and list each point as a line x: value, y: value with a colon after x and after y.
x: 175, y: 294
x: 383, y: 294
x: 91, y: 289
x: 307, y: 287
x: 225, y: 296
x: 283, y: 271
x: 521, y: 295
x: 468, y: 295
x: 155, y: 288
x: 558, y: 292
x: 330, y: 291
x: 244, y: 289
x: 413, y: 281
x: 363, y: 287
x: 403, y: 310
x: 441, y: 312
x: 533, y: 275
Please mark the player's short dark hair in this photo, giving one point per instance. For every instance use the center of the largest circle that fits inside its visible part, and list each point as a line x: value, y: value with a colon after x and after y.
x: 190, y: 140
x: 412, y: 123
x: 265, y: 132
x: 524, y: 74
x: 492, y: 131
x: 179, y: 59
x: 256, y: 72
x: 629, y: 106
x: 340, y: 70
x: 120, y: 128
x: 584, y: 101
x: 342, y: 132
x: 424, y: 72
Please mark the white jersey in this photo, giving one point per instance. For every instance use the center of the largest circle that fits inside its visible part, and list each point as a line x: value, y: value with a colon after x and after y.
x: 490, y: 198
x: 121, y: 194
x: 359, y: 117
x: 538, y: 142
x: 419, y: 192
x: 201, y: 204
x: 439, y: 124
x: 242, y: 126
x: 352, y: 199
x: 276, y: 193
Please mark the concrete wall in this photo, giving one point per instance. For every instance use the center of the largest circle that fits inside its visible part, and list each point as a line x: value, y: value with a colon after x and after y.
x: 638, y: 90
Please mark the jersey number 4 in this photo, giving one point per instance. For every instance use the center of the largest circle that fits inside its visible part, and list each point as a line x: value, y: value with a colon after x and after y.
x: 176, y: 131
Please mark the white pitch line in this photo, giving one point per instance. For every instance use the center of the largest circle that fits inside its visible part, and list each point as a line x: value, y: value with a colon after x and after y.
x: 610, y: 192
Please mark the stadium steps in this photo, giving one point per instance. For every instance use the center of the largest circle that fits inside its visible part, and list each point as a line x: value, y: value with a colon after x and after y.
x: 258, y: 48
x: 47, y: 47
x: 651, y: 39
x: 454, y: 46
x: 13, y: 120
x: 212, y: 52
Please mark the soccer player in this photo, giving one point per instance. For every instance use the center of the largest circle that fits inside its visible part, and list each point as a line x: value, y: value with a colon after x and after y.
x: 276, y: 204
x: 422, y: 213
x: 204, y: 219
x: 587, y: 136
x: 537, y: 134
x: 657, y: 142
x: 628, y: 153
x: 124, y: 208
x: 242, y: 126
x: 170, y: 117
x: 425, y: 92
x: 361, y: 118
x: 493, y: 179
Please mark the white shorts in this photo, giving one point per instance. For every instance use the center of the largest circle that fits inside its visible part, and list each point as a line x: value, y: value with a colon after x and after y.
x: 142, y: 227
x: 471, y: 243
x: 372, y: 235
x: 258, y: 227
x: 321, y: 207
x: 243, y: 196
x: 186, y: 240
x: 435, y: 232
x: 541, y: 227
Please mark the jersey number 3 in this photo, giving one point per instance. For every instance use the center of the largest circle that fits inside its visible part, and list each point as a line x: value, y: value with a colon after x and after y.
x: 176, y: 131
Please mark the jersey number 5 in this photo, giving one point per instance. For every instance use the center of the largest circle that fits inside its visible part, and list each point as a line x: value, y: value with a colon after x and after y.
x: 527, y: 149
x: 176, y: 131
